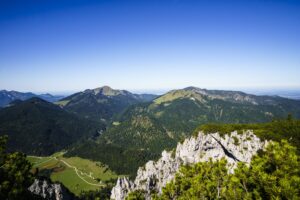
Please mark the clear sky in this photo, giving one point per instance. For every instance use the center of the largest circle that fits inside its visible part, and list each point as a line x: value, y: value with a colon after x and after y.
x: 58, y: 45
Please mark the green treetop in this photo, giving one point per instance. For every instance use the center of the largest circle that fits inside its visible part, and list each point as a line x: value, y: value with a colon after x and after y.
x: 15, y: 175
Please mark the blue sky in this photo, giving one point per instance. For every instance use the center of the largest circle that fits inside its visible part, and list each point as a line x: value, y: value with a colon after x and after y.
x: 58, y: 45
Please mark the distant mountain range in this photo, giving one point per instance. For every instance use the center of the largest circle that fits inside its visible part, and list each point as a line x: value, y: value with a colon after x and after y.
x: 288, y: 93
x: 101, y: 104
x: 6, y: 97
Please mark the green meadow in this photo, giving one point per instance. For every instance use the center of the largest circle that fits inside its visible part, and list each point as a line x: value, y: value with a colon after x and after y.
x: 75, y: 173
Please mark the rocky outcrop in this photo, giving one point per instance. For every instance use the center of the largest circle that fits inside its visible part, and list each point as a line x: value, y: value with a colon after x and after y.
x: 50, y: 191
x: 122, y: 188
x: 155, y: 175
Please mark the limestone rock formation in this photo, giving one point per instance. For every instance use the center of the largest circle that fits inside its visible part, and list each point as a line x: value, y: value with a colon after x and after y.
x: 123, y: 187
x: 49, y: 191
x: 155, y: 175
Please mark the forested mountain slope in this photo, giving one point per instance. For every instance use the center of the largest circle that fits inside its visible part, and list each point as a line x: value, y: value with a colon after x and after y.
x: 176, y: 114
x: 38, y: 127
x: 142, y: 131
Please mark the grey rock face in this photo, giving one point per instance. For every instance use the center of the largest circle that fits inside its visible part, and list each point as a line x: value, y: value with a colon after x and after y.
x: 46, y: 190
x: 122, y: 188
x: 155, y: 175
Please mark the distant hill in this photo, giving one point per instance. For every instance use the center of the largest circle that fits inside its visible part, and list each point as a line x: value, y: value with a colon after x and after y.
x: 148, y: 128
x: 6, y: 97
x: 101, y: 104
x: 37, y: 127
x: 50, y: 97
x: 147, y: 97
x: 286, y: 93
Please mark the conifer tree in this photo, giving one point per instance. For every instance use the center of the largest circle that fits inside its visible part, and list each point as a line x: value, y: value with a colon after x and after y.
x: 15, y: 175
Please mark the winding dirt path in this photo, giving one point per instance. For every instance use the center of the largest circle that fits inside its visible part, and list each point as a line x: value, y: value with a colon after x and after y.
x: 68, y: 165
x: 76, y: 170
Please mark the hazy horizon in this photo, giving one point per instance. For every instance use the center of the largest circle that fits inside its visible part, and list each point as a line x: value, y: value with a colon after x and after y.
x: 293, y: 93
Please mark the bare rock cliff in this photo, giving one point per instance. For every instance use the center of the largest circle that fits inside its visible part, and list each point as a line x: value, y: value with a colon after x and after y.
x: 51, y: 191
x: 155, y: 175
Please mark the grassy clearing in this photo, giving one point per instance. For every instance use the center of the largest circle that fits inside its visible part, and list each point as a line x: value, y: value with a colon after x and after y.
x: 62, y: 103
x: 91, y: 169
x: 177, y: 94
x: 172, y: 96
x: 75, y: 173
x: 68, y: 177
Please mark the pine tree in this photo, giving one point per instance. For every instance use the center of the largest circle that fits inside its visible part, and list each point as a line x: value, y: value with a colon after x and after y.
x: 15, y: 175
x: 136, y: 195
